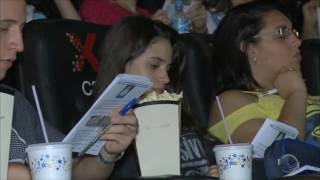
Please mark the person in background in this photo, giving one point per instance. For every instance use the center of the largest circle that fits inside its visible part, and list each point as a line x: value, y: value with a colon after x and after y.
x: 310, y: 20
x: 105, y: 12
x: 33, y: 13
x: 41, y: 9
x: 195, y: 12
x: 303, y: 14
x: 108, y: 12
x: 26, y: 128
x: 145, y: 47
x: 262, y: 55
x: 219, y: 9
x: 67, y: 9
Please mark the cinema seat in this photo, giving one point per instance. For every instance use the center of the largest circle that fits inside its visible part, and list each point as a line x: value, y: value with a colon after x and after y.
x: 310, y: 65
x: 60, y: 59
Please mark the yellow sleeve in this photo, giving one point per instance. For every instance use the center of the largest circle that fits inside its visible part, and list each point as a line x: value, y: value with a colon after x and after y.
x: 313, y: 106
x: 235, y: 119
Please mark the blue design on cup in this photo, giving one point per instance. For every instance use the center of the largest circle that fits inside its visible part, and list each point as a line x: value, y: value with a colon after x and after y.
x: 234, y: 160
x: 47, y: 161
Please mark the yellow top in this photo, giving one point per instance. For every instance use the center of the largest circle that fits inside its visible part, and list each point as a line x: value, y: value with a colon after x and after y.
x: 265, y: 107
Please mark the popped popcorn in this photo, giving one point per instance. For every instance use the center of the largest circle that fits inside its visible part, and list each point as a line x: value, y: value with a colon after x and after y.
x: 165, y: 96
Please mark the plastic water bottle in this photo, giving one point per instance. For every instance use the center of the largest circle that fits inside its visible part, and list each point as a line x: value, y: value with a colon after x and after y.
x: 179, y: 21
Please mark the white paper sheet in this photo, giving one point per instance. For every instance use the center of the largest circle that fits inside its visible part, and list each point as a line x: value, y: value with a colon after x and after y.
x: 304, y: 168
x: 6, y: 113
x: 269, y: 132
x: 123, y: 89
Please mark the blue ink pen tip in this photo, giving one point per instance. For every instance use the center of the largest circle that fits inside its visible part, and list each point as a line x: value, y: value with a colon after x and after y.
x: 129, y: 106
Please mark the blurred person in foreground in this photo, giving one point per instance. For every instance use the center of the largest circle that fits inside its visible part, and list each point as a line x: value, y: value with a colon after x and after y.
x: 26, y: 128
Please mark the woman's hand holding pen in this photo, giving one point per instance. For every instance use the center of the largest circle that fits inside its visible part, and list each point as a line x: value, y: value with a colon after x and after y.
x: 122, y: 132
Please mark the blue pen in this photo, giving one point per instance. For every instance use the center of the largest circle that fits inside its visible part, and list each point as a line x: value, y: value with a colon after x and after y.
x: 129, y: 106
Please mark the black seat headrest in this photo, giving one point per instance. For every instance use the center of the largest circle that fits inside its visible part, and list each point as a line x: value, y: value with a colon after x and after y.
x: 310, y: 65
x: 60, y: 60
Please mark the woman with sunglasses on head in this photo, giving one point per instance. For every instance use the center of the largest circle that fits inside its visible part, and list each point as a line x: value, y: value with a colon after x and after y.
x: 256, y: 52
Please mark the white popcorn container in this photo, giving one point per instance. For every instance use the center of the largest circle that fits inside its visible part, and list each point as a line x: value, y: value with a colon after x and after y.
x: 157, y: 141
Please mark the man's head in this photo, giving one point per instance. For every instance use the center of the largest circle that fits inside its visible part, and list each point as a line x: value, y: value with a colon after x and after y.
x: 12, y: 19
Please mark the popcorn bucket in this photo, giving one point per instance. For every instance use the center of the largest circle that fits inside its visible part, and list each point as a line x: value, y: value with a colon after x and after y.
x: 157, y: 142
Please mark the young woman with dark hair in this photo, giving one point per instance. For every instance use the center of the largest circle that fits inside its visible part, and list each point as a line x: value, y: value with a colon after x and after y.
x: 127, y: 41
x: 26, y: 127
x: 139, y: 45
x: 256, y: 50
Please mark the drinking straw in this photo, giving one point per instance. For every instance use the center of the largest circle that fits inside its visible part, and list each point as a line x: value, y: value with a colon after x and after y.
x: 44, y: 131
x: 224, y: 120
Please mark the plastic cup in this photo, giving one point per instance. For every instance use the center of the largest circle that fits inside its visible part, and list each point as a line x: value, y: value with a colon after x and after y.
x: 50, y: 161
x: 234, y: 161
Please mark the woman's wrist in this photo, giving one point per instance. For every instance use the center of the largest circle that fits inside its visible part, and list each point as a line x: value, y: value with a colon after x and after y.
x: 107, y: 158
x: 301, y: 94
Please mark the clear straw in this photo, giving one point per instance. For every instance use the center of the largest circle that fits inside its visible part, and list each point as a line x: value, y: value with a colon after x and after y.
x: 44, y: 131
x: 224, y: 120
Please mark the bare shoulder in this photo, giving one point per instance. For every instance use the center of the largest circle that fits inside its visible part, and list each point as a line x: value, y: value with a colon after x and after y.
x: 230, y: 100
x: 236, y: 99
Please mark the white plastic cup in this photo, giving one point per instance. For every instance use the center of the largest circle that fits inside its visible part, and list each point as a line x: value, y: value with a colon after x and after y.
x: 234, y: 161
x: 50, y: 161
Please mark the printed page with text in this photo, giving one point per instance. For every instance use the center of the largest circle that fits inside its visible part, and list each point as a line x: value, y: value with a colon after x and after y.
x: 122, y: 89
